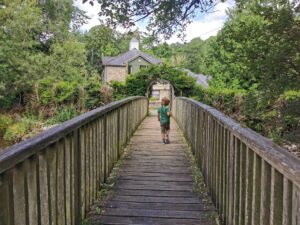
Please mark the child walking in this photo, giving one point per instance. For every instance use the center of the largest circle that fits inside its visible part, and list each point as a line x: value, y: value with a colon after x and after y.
x: 164, y: 117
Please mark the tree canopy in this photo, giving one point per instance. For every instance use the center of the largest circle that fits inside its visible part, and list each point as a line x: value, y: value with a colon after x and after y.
x: 164, y: 17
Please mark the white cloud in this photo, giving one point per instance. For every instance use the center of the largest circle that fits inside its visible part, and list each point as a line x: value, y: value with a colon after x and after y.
x: 208, y: 25
x: 204, y: 27
x: 91, y: 11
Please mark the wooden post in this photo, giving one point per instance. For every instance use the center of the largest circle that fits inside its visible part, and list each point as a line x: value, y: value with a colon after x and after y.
x: 265, y: 193
x: 77, y: 176
x: 256, y: 195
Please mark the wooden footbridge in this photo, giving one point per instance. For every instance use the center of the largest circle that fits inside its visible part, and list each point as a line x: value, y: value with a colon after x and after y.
x: 54, y: 177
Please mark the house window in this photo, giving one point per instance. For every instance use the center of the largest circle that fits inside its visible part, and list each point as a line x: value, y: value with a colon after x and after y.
x: 142, y: 66
x: 129, y: 69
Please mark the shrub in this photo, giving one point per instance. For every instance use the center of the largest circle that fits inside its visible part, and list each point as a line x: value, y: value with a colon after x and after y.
x: 118, y: 89
x: 17, y: 130
x: 137, y: 84
x: 44, y: 89
x: 5, y: 121
x: 277, y: 118
x: 66, y: 92
x: 92, y: 88
x: 63, y: 114
x: 7, y: 101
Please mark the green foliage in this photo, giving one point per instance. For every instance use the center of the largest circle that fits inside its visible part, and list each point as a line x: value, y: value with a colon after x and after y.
x: 255, y: 67
x: 93, y: 93
x: 63, y: 114
x: 258, y: 48
x: 45, y: 91
x: 5, y: 121
x: 137, y: 84
x: 62, y: 92
x: 20, y: 27
x: 17, y: 130
x: 119, y: 89
x: 44, y: 65
x: 68, y: 61
x: 100, y: 41
x: 163, y: 17
x: 226, y: 100
x: 66, y: 92
x: 278, y: 120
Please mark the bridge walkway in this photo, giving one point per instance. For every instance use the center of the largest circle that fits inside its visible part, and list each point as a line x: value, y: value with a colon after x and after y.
x: 155, y: 184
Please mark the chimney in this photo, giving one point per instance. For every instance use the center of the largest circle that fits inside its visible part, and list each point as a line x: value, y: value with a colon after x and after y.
x: 134, y: 44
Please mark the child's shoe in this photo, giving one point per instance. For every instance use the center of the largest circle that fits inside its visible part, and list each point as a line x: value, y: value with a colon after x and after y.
x: 167, y: 141
x: 164, y: 141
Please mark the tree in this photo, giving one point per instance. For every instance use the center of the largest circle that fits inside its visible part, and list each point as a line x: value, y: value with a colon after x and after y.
x: 28, y: 52
x: 20, y: 29
x: 165, y: 17
x: 258, y: 48
x: 59, y: 16
x: 68, y: 61
x: 100, y: 41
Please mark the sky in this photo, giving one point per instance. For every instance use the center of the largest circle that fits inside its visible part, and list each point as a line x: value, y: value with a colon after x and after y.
x: 204, y: 25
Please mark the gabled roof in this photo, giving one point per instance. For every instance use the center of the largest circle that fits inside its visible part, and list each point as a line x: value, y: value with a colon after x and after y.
x: 123, y: 59
x: 201, y: 79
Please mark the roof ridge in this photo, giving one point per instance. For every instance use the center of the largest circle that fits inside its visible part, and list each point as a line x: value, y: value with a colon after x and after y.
x: 130, y: 55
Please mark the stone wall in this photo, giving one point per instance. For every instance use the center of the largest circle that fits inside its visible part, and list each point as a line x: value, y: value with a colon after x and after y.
x: 115, y: 73
x: 164, y: 90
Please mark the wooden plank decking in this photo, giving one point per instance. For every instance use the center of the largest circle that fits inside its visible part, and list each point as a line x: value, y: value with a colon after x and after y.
x: 155, y: 184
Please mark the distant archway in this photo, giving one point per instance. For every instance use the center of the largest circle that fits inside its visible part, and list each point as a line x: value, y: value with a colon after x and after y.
x: 162, y: 82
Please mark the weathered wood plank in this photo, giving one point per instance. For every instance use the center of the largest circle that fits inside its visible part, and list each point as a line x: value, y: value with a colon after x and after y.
x: 6, y: 206
x: 242, y: 188
x: 265, y: 193
x: 82, y: 170
x: 150, y: 213
x: 68, y: 179
x: 52, y: 182
x: 256, y: 195
x: 43, y: 188
x: 19, y: 198
x: 158, y: 187
x: 236, y: 184
x: 160, y: 206
x: 112, y: 220
x: 296, y: 206
x: 32, y: 187
x: 287, y: 201
x: 276, y: 205
x: 60, y: 170
x: 249, y: 186
x: 161, y: 199
x: 153, y: 193
x: 157, y: 178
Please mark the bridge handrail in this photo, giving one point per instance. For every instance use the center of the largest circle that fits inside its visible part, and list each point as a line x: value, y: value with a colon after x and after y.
x: 55, y: 176
x: 238, y: 164
x: 275, y: 155
x: 11, y: 156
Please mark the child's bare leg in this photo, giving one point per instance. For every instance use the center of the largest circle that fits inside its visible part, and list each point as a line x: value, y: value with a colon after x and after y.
x: 163, y: 135
x: 167, y: 134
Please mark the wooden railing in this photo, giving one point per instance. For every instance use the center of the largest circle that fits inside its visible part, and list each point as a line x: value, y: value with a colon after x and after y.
x: 53, y: 178
x: 252, y: 181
